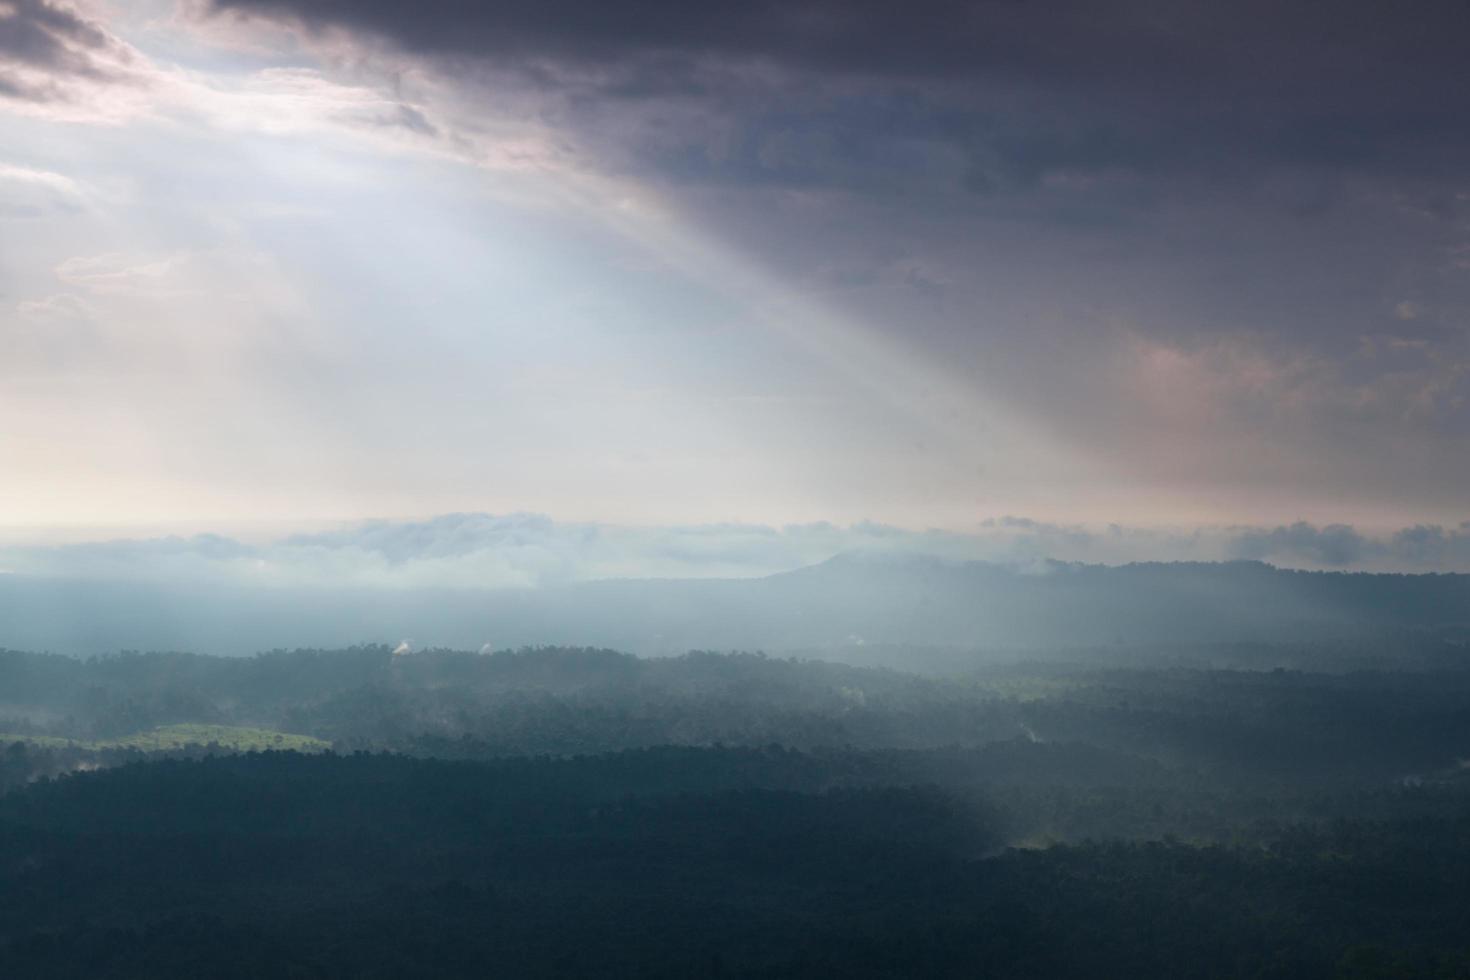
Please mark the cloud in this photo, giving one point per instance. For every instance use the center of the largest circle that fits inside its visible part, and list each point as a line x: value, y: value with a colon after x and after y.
x: 1121, y: 44
x: 58, y: 306
x: 1423, y: 547
x: 484, y: 551
x: 57, y: 62
x: 1433, y: 546
x: 1336, y: 545
x: 118, y: 272
x: 1019, y: 90
x: 51, y: 36
x: 139, y: 330
x: 26, y: 192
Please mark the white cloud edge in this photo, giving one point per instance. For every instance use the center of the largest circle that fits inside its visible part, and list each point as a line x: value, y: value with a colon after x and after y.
x: 481, y: 551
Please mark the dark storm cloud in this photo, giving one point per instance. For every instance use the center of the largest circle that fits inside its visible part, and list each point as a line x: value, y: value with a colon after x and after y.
x: 49, y: 37
x: 1258, y: 46
x: 1021, y: 88
x: 38, y: 33
x: 41, y: 42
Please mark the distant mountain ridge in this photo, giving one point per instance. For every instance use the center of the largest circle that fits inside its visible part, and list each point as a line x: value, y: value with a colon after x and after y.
x: 850, y: 600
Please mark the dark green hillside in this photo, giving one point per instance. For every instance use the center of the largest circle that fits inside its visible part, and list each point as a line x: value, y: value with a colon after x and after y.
x: 670, y: 864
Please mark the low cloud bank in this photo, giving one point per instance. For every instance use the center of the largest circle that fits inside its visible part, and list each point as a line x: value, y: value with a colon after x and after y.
x: 1421, y: 548
x: 483, y: 551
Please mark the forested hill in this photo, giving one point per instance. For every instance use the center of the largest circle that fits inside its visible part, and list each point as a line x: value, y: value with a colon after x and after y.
x: 642, y: 865
x: 847, y: 602
x: 578, y: 812
x: 857, y: 599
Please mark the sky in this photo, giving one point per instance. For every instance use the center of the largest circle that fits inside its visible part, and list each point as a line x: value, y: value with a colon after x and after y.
x: 1163, y: 279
